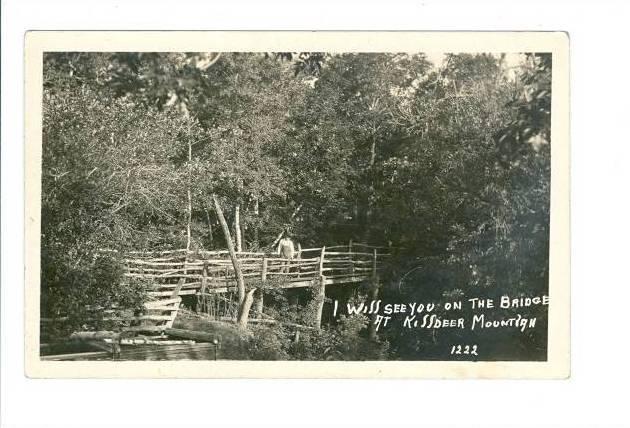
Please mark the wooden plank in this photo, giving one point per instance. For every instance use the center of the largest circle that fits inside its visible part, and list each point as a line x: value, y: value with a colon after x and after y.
x: 345, y: 280
x: 147, y: 328
x: 191, y: 334
x: 165, y: 271
x: 76, y: 356
x: 297, y: 284
x: 141, y: 262
x: 283, y: 274
x: 162, y: 308
x: 158, y: 252
x: 342, y: 253
x: 168, y: 293
x: 177, y: 289
x: 147, y: 341
x: 150, y: 275
x: 94, y: 335
x: 150, y: 305
x: 321, y: 261
x: 103, y: 345
x: 197, y: 351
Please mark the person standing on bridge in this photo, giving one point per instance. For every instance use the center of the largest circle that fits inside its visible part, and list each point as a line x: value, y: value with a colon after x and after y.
x: 286, y: 250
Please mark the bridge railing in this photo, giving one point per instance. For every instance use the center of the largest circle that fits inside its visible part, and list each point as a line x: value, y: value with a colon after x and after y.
x: 170, y: 274
x: 214, y: 271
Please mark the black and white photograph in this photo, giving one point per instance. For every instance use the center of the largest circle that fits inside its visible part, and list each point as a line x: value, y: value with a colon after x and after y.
x: 344, y: 213
x: 329, y: 206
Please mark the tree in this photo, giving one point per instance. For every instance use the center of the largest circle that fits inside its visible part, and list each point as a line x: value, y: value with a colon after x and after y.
x: 109, y: 170
x: 341, y: 133
x: 475, y: 176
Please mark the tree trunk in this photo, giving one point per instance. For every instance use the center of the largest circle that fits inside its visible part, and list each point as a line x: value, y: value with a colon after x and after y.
x: 188, y: 221
x: 209, y: 227
x: 243, y: 313
x: 189, y: 193
x: 240, y: 282
x: 256, y: 214
x: 374, y: 286
x: 370, y: 193
x: 188, y: 234
x: 237, y: 228
x: 320, y: 292
x: 261, y: 295
x: 243, y: 235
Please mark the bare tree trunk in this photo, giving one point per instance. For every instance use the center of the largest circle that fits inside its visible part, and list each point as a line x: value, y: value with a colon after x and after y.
x: 209, y: 226
x: 188, y: 221
x: 243, y: 235
x: 368, y: 204
x: 240, y: 282
x: 189, y: 207
x: 320, y: 292
x: 256, y: 213
x: 373, y: 152
x: 237, y: 227
x: 243, y: 313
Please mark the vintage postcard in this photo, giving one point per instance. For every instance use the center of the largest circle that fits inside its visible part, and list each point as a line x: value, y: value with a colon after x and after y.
x: 297, y: 204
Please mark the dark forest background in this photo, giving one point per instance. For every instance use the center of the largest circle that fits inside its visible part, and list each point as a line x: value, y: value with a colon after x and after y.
x: 449, y: 164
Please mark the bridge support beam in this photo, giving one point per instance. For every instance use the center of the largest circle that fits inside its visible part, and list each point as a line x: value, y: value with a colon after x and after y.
x: 373, y: 297
x: 260, y: 295
x: 372, y: 326
x: 259, y: 302
x: 320, y: 297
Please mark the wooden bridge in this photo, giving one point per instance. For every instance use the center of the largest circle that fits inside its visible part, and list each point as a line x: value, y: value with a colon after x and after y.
x: 193, y: 272
x: 210, y: 275
x: 169, y: 275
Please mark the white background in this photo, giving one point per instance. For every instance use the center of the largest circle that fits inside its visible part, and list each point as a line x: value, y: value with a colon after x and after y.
x: 597, y: 393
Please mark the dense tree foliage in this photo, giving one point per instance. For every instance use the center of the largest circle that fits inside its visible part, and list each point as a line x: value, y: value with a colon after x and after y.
x: 450, y: 163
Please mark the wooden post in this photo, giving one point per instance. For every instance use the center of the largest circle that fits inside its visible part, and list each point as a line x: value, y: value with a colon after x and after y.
x: 260, y: 295
x: 350, y: 257
x: 320, y: 293
x: 173, y: 314
x: 263, y: 275
x: 201, y: 298
x: 177, y: 288
x: 373, y: 297
x: 321, y: 261
x: 299, y: 258
x: 260, y: 301
x: 320, y: 297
